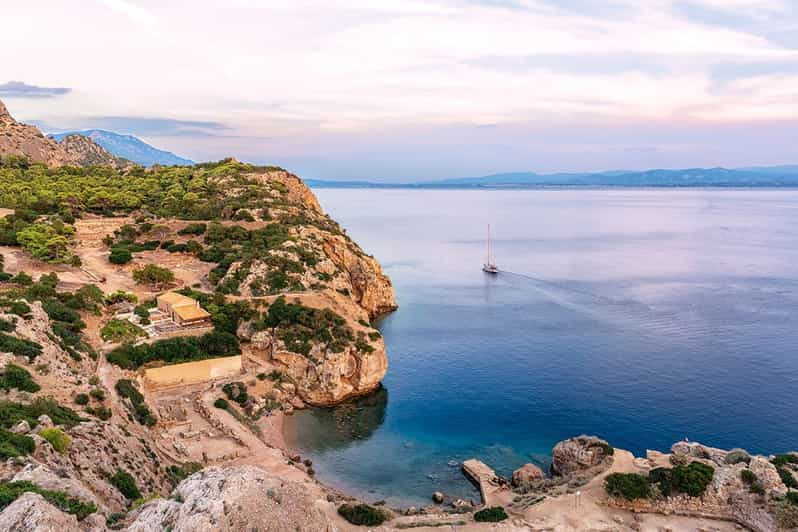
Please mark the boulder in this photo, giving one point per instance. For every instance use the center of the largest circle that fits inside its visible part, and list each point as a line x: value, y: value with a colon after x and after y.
x: 527, y: 474
x: 437, y: 497
x: 23, y: 427
x: 696, y: 450
x: 234, y: 498
x: 31, y: 512
x: 45, y: 422
x: 579, y: 454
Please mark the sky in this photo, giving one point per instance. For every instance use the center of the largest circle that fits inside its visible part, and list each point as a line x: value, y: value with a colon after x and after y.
x: 406, y: 90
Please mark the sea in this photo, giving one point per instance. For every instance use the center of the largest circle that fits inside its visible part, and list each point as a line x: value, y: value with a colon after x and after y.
x: 643, y: 316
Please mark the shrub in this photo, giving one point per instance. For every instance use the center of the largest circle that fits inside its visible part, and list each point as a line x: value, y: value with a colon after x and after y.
x: 141, y: 411
x: 153, y: 275
x: 82, y: 399
x: 12, y: 444
x: 126, y: 484
x: 193, y: 229
x: 20, y: 308
x: 10, y: 491
x: 748, y: 476
x: 692, y: 479
x: 117, y: 331
x: 19, y: 346
x: 362, y: 514
x: 101, y: 412
x: 23, y: 279
x: 221, y: 404
x: 12, y: 413
x: 120, y: 296
x: 787, y: 478
x: 493, y: 514
x: 7, y: 325
x: 782, y: 460
x: 236, y: 391
x: 120, y: 255
x: 97, y: 394
x: 630, y: 486
x: 14, y: 376
x: 57, y: 438
x: 179, y: 473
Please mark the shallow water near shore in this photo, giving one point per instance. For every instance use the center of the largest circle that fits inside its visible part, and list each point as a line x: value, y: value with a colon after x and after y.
x: 642, y: 316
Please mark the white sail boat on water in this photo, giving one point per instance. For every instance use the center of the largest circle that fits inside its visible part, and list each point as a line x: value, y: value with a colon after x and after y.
x: 490, y: 265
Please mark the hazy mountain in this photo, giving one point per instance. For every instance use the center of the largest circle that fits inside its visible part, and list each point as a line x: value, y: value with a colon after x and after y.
x: 128, y: 147
x: 776, y: 176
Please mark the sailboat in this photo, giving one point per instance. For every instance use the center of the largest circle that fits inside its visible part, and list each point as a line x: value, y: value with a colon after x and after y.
x: 490, y: 266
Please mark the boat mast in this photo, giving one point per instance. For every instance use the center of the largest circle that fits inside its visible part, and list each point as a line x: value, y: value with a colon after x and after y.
x: 489, y: 261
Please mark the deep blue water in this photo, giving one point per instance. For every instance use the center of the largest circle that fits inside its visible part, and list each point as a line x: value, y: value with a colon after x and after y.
x: 643, y: 316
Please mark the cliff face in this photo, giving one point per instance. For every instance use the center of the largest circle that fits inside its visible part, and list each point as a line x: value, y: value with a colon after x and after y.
x: 27, y: 141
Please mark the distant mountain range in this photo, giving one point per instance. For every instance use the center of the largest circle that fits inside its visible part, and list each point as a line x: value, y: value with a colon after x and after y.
x: 128, y: 147
x: 771, y: 176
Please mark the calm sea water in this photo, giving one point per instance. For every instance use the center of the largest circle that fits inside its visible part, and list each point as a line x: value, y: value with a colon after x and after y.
x: 643, y: 316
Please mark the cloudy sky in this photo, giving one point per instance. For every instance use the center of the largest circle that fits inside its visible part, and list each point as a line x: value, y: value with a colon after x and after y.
x: 413, y: 90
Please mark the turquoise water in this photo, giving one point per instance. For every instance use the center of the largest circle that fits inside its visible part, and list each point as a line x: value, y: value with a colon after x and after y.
x: 643, y: 316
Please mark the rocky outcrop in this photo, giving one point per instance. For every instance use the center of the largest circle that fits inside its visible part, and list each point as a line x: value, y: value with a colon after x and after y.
x: 27, y: 141
x: 527, y: 474
x: 370, y: 288
x: 30, y: 512
x: 696, y: 450
x: 767, y: 475
x: 579, y: 454
x: 296, y: 191
x: 232, y: 499
x: 324, y: 377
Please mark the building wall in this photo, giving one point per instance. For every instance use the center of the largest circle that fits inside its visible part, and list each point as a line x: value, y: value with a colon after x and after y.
x: 192, y: 372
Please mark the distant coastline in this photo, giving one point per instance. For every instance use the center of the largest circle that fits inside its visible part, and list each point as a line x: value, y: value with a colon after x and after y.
x: 754, y: 177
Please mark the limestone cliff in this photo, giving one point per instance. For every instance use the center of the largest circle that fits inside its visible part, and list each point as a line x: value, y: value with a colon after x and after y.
x: 27, y: 141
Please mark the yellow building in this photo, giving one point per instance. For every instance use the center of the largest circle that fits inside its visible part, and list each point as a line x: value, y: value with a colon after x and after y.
x: 183, y: 310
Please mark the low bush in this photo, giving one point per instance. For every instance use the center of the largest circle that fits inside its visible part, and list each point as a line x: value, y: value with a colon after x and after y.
x: 56, y: 437
x: 14, y: 376
x: 787, y: 477
x: 19, y: 346
x: 782, y: 460
x: 141, y: 411
x: 12, y: 444
x: 82, y: 399
x: 693, y: 478
x: 10, y: 491
x: 363, y: 514
x: 193, y: 229
x: 153, y: 275
x: 101, y: 412
x: 179, y: 473
x: 12, y: 413
x: 126, y: 484
x: 748, y: 476
x: 630, y: 486
x: 120, y: 255
x: 7, y: 325
x: 221, y: 404
x: 98, y: 394
x: 493, y: 514
x: 236, y: 391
